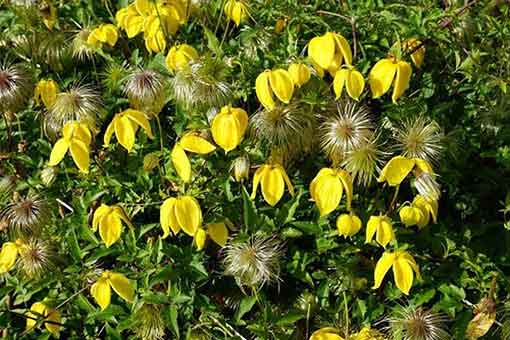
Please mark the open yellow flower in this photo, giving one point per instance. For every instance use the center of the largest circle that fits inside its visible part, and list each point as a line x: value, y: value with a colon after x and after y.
x: 101, y: 289
x: 236, y: 10
x: 382, y: 228
x: 419, y: 212
x: 228, y: 127
x: 272, y: 178
x: 180, y: 56
x: 327, y: 189
x: 389, y: 71
x: 300, y: 74
x: 404, y: 268
x: 178, y: 213
x: 51, y: 318
x: 124, y: 125
x: 76, y: 138
x: 109, y: 221
x: 217, y: 232
x: 351, y: 79
x: 330, y: 51
x: 348, y: 225
x: 397, y: 169
x: 9, y: 255
x: 104, y: 34
x: 326, y: 333
x: 278, y: 82
x: 46, y: 92
x: 192, y: 143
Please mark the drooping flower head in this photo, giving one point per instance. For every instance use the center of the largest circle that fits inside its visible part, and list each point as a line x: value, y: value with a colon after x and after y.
x: 330, y: 51
x: 351, y: 79
x: 272, y: 83
x: 101, y: 289
x: 387, y: 72
x: 404, y: 268
x: 50, y: 318
x: 327, y: 189
x: 419, y: 212
x: 180, y: 56
x: 236, y: 10
x: 180, y: 213
x: 348, y: 225
x: 300, y: 73
x: 46, y: 92
x: 272, y: 179
x: 104, y: 34
x: 108, y: 219
x: 76, y: 138
x: 382, y: 228
x: 125, y: 125
x: 228, y: 127
x: 190, y: 142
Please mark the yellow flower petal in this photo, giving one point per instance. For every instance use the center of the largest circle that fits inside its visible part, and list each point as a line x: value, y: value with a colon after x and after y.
x: 328, y: 193
x: 196, y: 144
x: 257, y: 177
x: 181, y: 163
x: 133, y: 25
x: 263, y: 90
x: 286, y: 178
x: 101, y: 292
x: 423, y: 166
x: 238, y: 12
x: 117, y: 210
x: 343, y: 46
x: 403, y: 274
x: 299, y: 73
x: 347, y: 183
x: 381, y: 268
x: 125, y: 132
x: 167, y: 217
x: 110, y: 229
x: 372, y: 226
x: 381, y: 77
x: 326, y: 333
x: 53, y: 316
x: 122, y: 286
x: 80, y: 154
x: 188, y: 214
x: 8, y: 256
x: 385, y: 232
x: 410, y: 216
x: 396, y: 170
x: 109, y: 133
x: 402, y: 79
x: 82, y: 132
x: 218, y: 232
x: 322, y: 50
x: 348, y: 225
x: 99, y: 214
x: 355, y: 84
x: 139, y: 118
x: 200, y: 238
x: 110, y: 34
x: 273, y: 186
x: 37, y: 312
x: 59, y: 151
x: 281, y: 84
x: 322, y: 172
x: 339, y: 81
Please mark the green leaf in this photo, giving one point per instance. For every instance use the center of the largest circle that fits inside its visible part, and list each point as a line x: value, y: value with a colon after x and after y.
x: 250, y: 217
x: 290, y: 319
x: 245, y: 306
x: 212, y: 42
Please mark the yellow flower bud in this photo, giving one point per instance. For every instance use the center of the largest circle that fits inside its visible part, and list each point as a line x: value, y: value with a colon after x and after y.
x: 236, y: 11
x: 410, y: 215
x: 241, y: 168
x: 278, y: 82
x: 300, y: 74
x: 180, y: 56
x: 46, y: 91
x: 348, y: 225
x: 330, y: 51
x: 327, y: 189
x: 382, y: 227
x: 228, y: 127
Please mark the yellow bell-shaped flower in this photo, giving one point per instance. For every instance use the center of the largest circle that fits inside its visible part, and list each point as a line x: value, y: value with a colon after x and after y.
x: 272, y: 178
x: 348, y: 225
x: 76, y: 138
x: 180, y: 56
x: 178, y: 213
x: 217, y: 232
x: 192, y: 143
x: 51, y: 317
x: 382, y: 228
x: 104, y: 34
x: 327, y: 189
x: 278, y: 82
x: 228, y: 127
x: 109, y: 221
x: 390, y: 71
x: 330, y: 51
x: 429, y: 208
x: 351, y: 79
x: 410, y: 215
x: 326, y: 333
x: 300, y: 74
x: 236, y: 10
x: 9, y: 255
x: 101, y: 289
x: 397, y: 169
x: 124, y: 125
x: 46, y: 92
x: 404, y: 268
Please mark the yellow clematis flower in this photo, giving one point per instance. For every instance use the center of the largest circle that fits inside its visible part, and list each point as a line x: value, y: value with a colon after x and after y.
x: 109, y: 221
x: 46, y: 92
x: 300, y: 74
x: 9, y: 255
x: 389, y: 71
x: 327, y: 189
x: 404, y: 267
x: 410, y: 215
x: 52, y: 319
x: 178, y: 213
x: 104, y: 34
x: 76, y: 138
x: 382, y: 227
x: 348, y: 225
x: 218, y: 232
x: 101, y: 289
x: 351, y: 79
x: 330, y: 51
x: 419, y: 212
x: 236, y: 10
x: 326, y: 333
x: 228, y: 127
x: 124, y: 125
x: 272, y: 178
x: 192, y: 143
x: 278, y: 82
x: 397, y: 169
x: 180, y: 56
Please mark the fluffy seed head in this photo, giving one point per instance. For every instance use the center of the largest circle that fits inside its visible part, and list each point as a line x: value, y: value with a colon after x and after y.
x: 36, y: 258
x: 149, y: 323
x: 345, y: 128
x: 419, y: 137
x: 16, y: 86
x: 7, y: 184
x: 145, y: 90
x: 254, y: 262
x: 427, y: 186
x: 416, y: 323
x: 81, y: 49
x: 26, y: 215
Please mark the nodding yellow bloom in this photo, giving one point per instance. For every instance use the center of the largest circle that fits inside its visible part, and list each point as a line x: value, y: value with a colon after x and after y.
x: 9, y: 254
x: 330, y: 51
x: 109, y: 221
x: 178, y: 213
x: 228, y: 127
x: 192, y: 143
x: 411, y: 215
x: 76, y: 138
x: 272, y: 178
x: 348, y: 225
x: 382, y: 228
x: 351, y: 79
x: 46, y: 92
x: 300, y: 74
x: 218, y: 232
x: 390, y: 71
x: 236, y: 11
x: 397, y: 169
x: 124, y: 125
x: 419, y: 212
x: 180, y: 56
x: 326, y: 333
x: 51, y: 317
x: 418, y: 56
x: 104, y: 34
x: 327, y: 189
x: 278, y: 82
x: 404, y: 267
x: 101, y: 289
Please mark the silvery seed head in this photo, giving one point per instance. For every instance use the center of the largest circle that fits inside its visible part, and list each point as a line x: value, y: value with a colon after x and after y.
x: 416, y: 323
x: 145, y: 90
x: 16, y: 87
x: 81, y: 50
x: 26, y: 215
x: 36, y: 258
x: 427, y: 186
x: 420, y: 137
x: 149, y: 323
